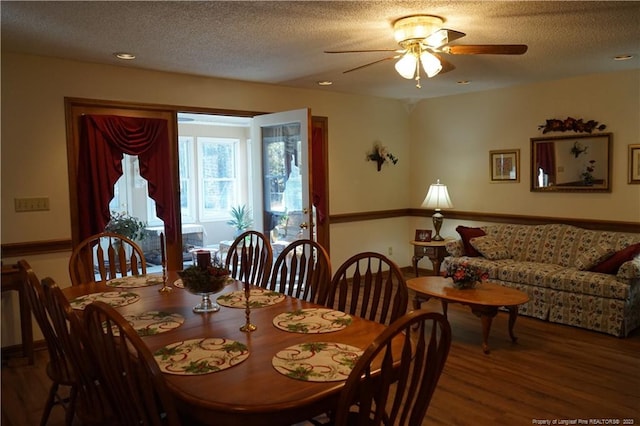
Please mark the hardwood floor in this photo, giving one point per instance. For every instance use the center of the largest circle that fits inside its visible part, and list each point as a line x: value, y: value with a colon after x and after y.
x: 554, y: 372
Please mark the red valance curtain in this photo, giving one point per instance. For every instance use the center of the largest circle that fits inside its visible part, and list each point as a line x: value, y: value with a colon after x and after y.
x: 104, y: 140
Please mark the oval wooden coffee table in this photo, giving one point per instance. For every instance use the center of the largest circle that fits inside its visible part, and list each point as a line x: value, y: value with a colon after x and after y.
x: 484, y: 300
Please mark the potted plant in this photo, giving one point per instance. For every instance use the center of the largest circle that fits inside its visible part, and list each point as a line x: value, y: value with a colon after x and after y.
x: 126, y: 225
x: 241, y: 219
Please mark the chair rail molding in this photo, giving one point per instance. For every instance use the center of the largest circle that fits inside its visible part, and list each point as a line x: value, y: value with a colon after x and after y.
x: 52, y: 246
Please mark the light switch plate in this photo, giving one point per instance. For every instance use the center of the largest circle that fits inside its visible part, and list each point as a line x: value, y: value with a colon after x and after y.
x: 32, y: 204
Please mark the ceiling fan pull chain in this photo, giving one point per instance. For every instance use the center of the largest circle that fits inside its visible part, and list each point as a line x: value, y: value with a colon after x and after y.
x: 418, y: 74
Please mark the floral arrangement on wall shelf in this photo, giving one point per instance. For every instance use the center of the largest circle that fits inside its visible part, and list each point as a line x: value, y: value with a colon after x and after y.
x: 381, y: 155
x: 571, y: 124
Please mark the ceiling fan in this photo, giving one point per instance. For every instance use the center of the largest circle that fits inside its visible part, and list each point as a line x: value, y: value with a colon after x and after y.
x: 423, y: 40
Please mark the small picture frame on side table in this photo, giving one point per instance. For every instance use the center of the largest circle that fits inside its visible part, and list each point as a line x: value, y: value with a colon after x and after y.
x: 634, y: 164
x: 505, y: 165
x: 423, y: 235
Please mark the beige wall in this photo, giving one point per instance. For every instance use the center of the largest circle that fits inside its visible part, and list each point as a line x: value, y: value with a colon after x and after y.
x: 451, y: 138
x: 34, y: 156
x: 447, y: 138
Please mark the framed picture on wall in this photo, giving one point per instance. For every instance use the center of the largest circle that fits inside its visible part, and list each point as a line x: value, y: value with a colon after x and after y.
x: 634, y: 164
x: 423, y: 235
x: 505, y: 165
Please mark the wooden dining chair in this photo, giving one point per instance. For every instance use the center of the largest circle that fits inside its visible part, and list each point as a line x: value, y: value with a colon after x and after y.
x: 394, y: 387
x: 135, y: 385
x: 371, y: 286
x: 108, y: 254
x: 250, y: 257
x: 59, y: 368
x: 302, y: 270
x: 92, y: 404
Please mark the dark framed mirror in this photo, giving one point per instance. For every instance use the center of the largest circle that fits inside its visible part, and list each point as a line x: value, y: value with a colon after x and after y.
x: 577, y: 163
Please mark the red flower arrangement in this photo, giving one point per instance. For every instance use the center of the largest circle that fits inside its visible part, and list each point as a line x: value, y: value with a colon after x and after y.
x: 465, y: 275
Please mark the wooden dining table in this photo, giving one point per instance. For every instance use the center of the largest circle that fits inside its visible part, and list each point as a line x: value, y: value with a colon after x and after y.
x: 252, y: 392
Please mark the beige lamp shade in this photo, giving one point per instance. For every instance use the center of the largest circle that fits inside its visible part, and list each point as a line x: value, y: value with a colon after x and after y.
x: 437, y: 198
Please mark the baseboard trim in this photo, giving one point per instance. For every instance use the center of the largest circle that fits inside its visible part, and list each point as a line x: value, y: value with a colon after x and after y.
x: 15, y: 351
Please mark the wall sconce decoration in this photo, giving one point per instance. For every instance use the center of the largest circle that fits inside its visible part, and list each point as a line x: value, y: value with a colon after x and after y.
x: 578, y: 149
x: 380, y: 155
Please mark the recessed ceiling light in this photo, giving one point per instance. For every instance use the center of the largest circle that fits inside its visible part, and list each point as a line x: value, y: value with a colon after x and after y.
x: 622, y: 57
x: 464, y: 82
x: 325, y: 83
x: 124, y: 55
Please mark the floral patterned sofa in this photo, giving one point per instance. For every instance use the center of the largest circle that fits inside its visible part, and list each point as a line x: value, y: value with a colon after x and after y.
x: 574, y: 276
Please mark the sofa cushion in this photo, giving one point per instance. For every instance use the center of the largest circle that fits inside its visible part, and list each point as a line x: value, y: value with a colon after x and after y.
x: 531, y: 273
x: 613, y: 263
x: 466, y: 233
x: 577, y: 282
x: 525, y: 243
x: 593, y: 256
x: 491, y: 267
x: 628, y: 271
x: 490, y: 248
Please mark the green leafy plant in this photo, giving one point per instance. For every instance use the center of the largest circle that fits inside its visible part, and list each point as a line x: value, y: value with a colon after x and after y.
x: 240, y: 218
x: 124, y: 224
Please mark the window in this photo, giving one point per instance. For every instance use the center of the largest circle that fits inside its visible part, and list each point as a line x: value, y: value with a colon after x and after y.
x: 187, y: 184
x: 207, y: 192
x: 131, y: 195
x: 218, y: 176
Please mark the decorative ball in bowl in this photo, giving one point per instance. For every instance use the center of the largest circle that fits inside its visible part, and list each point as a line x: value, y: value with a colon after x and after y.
x: 199, y: 280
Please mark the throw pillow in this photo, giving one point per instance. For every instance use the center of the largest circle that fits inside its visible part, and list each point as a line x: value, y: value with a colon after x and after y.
x: 591, y: 257
x: 466, y: 233
x: 613, y: 263
x: 490, y: 248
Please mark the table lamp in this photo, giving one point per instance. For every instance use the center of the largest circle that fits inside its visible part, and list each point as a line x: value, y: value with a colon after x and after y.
x: 437, y: 198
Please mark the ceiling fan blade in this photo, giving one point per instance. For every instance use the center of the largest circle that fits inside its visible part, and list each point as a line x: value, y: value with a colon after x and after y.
x: 487, y: 49
x: 453, y: 35
x: 446, y: 65
x: 362, y: 51
x: 441, y: 37
x: 371, y: 63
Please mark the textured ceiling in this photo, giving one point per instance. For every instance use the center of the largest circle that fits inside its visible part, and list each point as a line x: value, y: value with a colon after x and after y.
x: 282, y: 42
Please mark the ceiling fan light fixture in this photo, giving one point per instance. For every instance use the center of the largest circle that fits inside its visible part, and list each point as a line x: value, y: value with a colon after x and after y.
x: 416, y: 27
x: 430, y: 63
x: 437, y: 39
x: 406, y: 66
